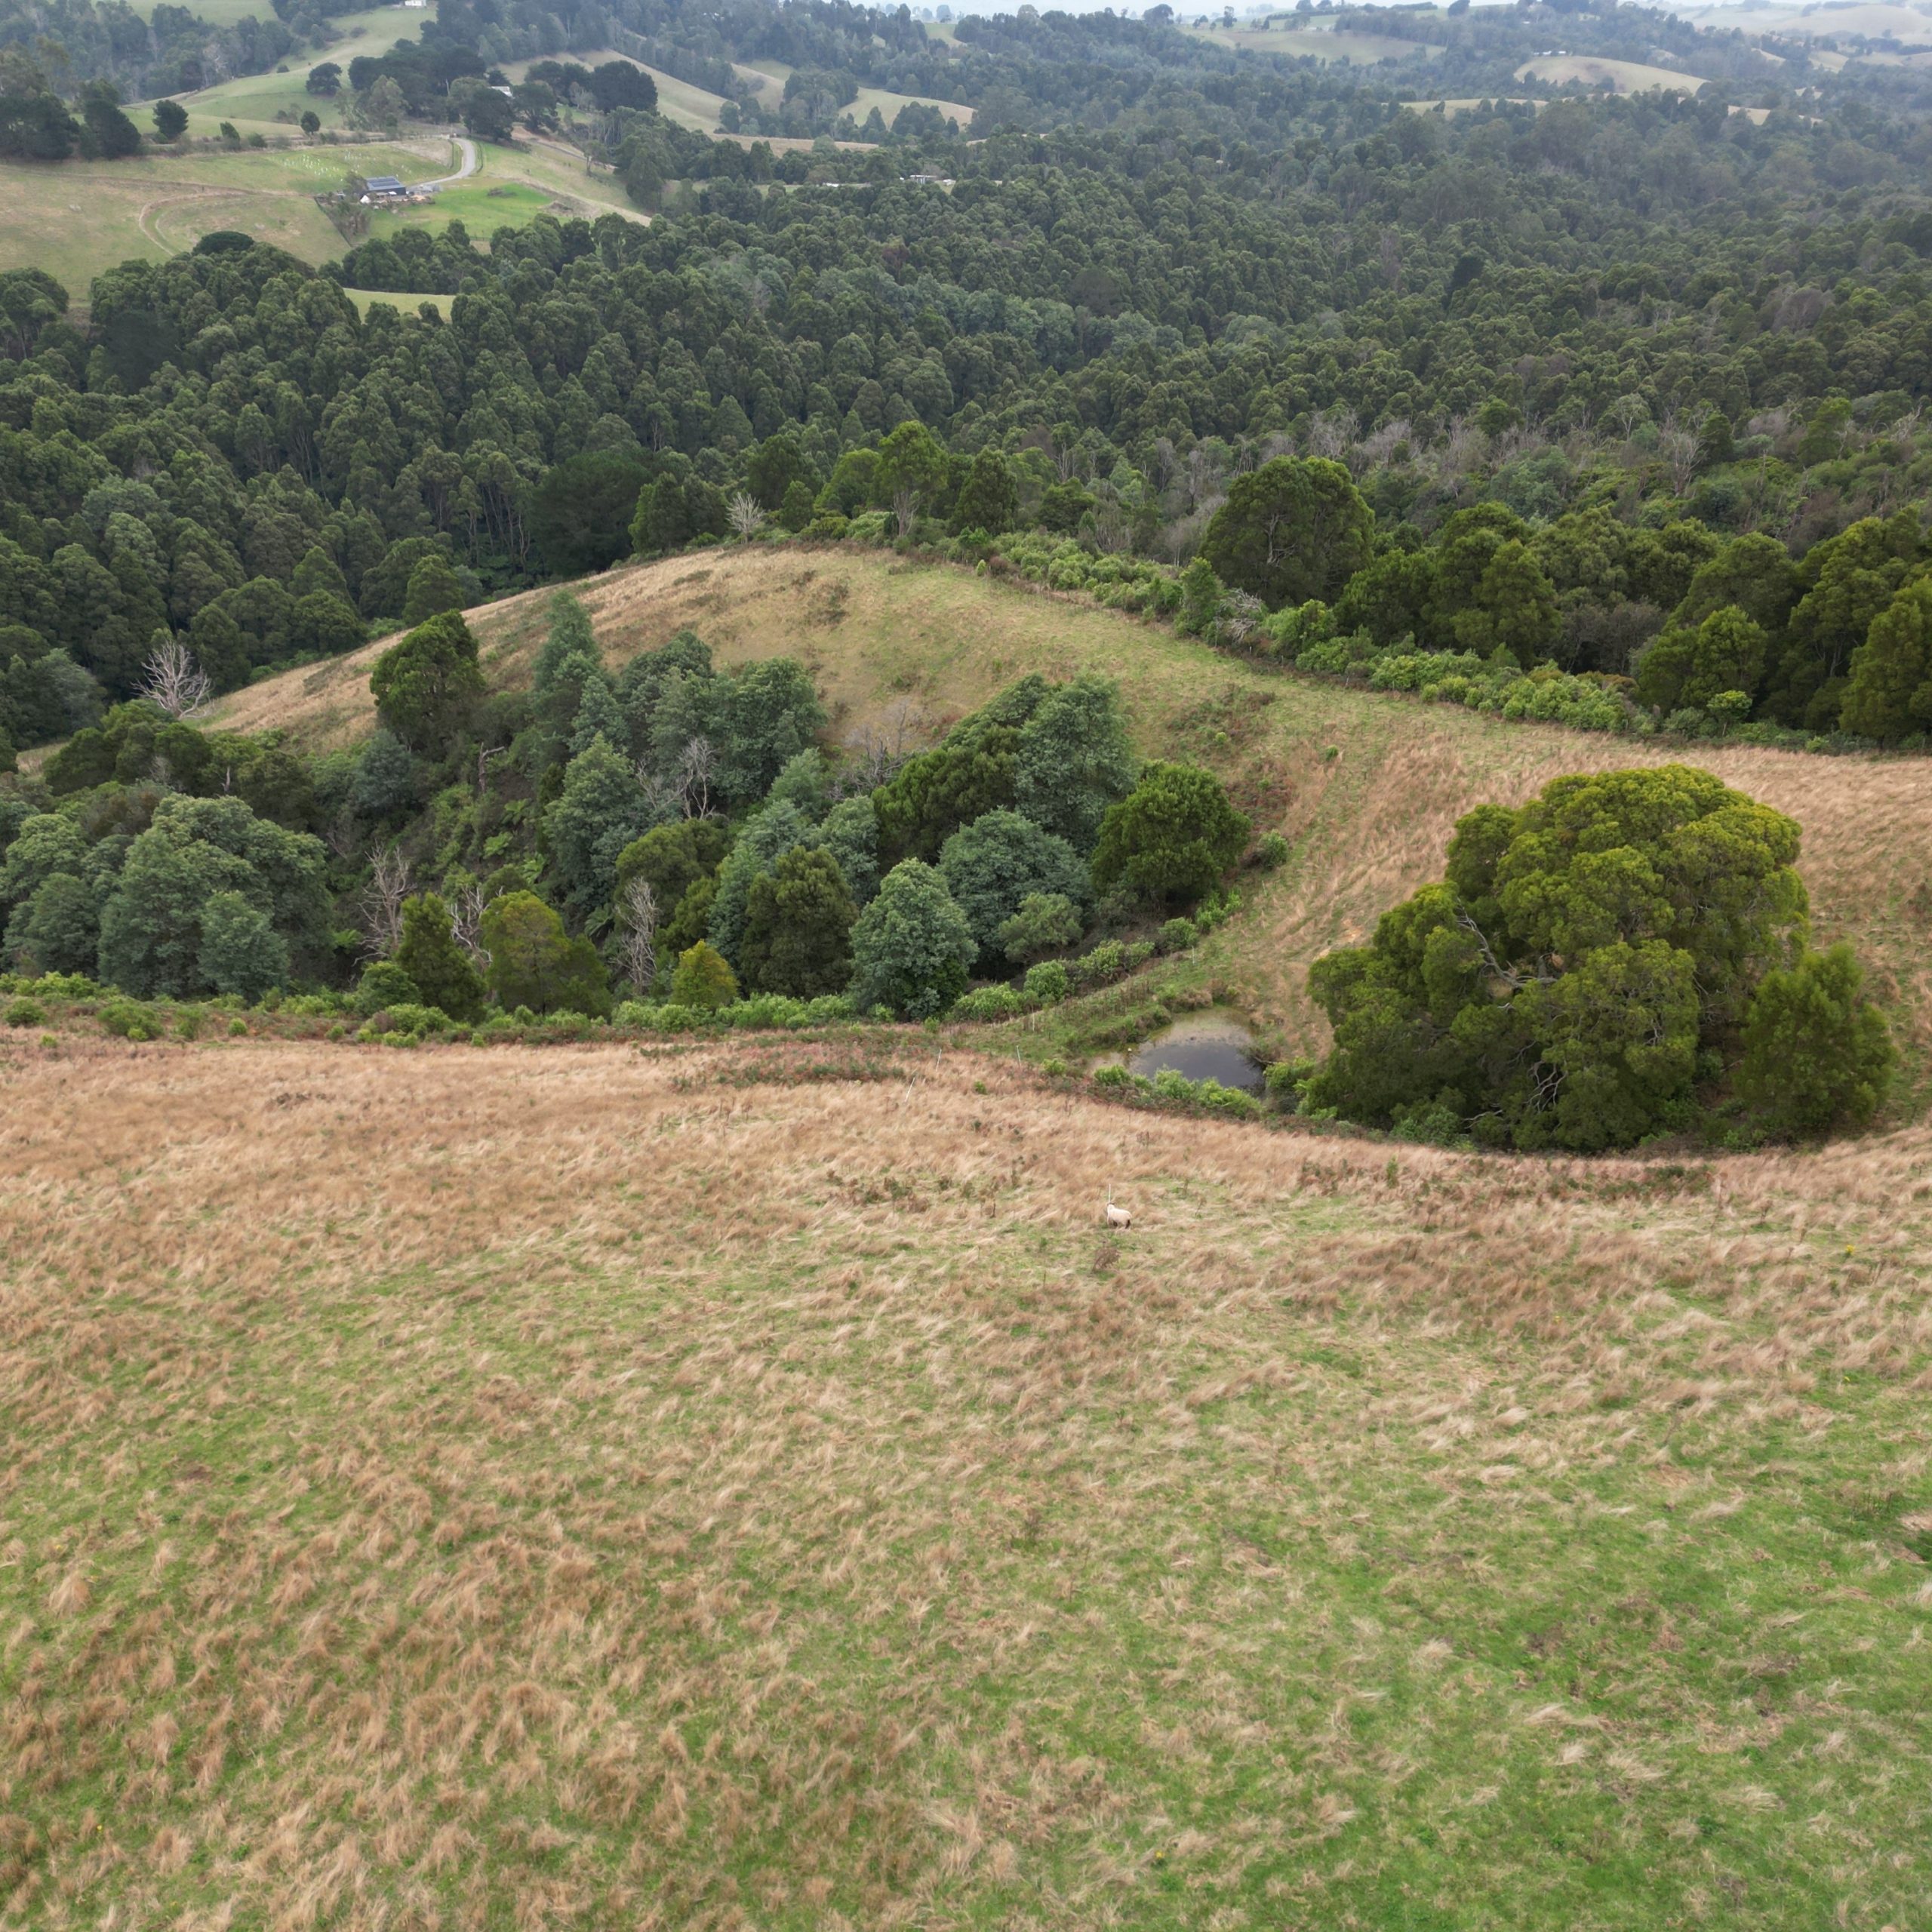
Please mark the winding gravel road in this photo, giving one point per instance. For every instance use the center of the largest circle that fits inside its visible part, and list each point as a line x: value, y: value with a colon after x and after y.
x: 470, y: 165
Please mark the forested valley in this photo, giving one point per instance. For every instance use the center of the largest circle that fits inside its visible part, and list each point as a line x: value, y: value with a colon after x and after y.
x: 1593, y: 410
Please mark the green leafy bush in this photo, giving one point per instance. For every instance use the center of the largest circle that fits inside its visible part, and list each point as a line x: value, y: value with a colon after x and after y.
x: 130, y: 1020
x: 25, y: 1012
x: 1560, y: 986
x: 384, y: 983
x: 1171, y: 837
x: 911, y: 946
x: 1100, y: 967
x: 1048, y: 984
x: 988, y: 1003
x: 1817, y: 1054
x: 704, y: 980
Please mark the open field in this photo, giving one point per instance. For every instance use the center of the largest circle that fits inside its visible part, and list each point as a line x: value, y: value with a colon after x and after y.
x: 75, y: 218
x: 774, y: 74
x: 1369, y: 823
x: 741, y: 1486
x: 366, y: 299
x: 511, y: 186
x: 272, y: 103
x: 79, y: 218
x: 1624, y: 76
x: 689, y: 107
x: 1361, y: 49
x: 678, y: 100
x: 1910, y: 25
x: 889, y: 105
x: 1466, y: 105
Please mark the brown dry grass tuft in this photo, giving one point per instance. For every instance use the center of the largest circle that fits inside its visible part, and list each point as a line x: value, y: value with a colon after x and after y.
x: 584, y: 1487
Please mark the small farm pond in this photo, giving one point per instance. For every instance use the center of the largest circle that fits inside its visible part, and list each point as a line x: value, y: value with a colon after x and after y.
x: 1213, y: 1045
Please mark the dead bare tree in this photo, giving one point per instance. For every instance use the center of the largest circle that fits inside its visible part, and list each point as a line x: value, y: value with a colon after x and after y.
x: 906, y: 507
x: 466, y: 905
x: 389, y: 886
x: 879, y: 748
x: 637, y: 930
x: 1678, y: 447
x: 745, y: 519
x: 171, y: 680
x: 696, y: 766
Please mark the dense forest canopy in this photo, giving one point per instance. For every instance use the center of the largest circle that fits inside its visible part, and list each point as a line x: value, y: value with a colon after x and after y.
x: 1649, y: 311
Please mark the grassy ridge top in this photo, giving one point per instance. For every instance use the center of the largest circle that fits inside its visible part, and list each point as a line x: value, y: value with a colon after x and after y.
x: 1370, y: 823
x: 745, y: 1486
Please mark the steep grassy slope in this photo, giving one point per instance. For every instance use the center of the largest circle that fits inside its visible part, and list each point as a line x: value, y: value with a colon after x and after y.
x: 744, y: 1487
x: 1368, y: 786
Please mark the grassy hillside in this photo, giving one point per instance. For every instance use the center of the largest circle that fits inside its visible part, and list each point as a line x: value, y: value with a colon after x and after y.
x: 1367, y: 786
x: 76, y: 219
x: 744, y: 1487
x: 1623, y: 76
x: 1324, y: 44
x: 773, y: 75
x: 270, y: 103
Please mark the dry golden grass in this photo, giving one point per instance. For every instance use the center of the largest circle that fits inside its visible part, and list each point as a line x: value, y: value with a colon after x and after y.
x: 1370, y: 824
x: 742, y: 1487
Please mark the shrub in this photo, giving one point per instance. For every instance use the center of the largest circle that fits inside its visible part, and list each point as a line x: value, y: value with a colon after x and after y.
x: 430, y: 955
x: 1817, y: 1055
x: 417, y: 1021
x: 1048, y: 984
x: 1272, y: 852
x: 1436, y: 1123
x: 384, y: 983
x: 1560, y: 981
x: 1178, y: 934
x: 1171, y: 837
x: 24, y: 1012
x: 1105, y: 964
x: 911, y: 946
x: 1112, y: 1076
x: 704, y: 980
x: 988, y: 1003
x: 1283, y: 1078
x: 130, y: 1020
x: 1045, y: 922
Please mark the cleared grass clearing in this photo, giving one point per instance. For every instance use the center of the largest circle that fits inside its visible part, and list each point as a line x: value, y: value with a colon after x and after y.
x: 1367, y: 787
x: 744, y: 1486
x: 366, y: 299
x: 1881, y: 21
x: 272, y: 102
x: 771, y: 76
x: 1624, y: 76
x: 76, y: 219
x: 690, y: 106
x: 79, y: 218
x: 1329, y: 44
x: 1467, y: 105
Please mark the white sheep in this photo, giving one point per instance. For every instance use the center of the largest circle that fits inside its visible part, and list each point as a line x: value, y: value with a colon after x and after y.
x: 1118, y: 1217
